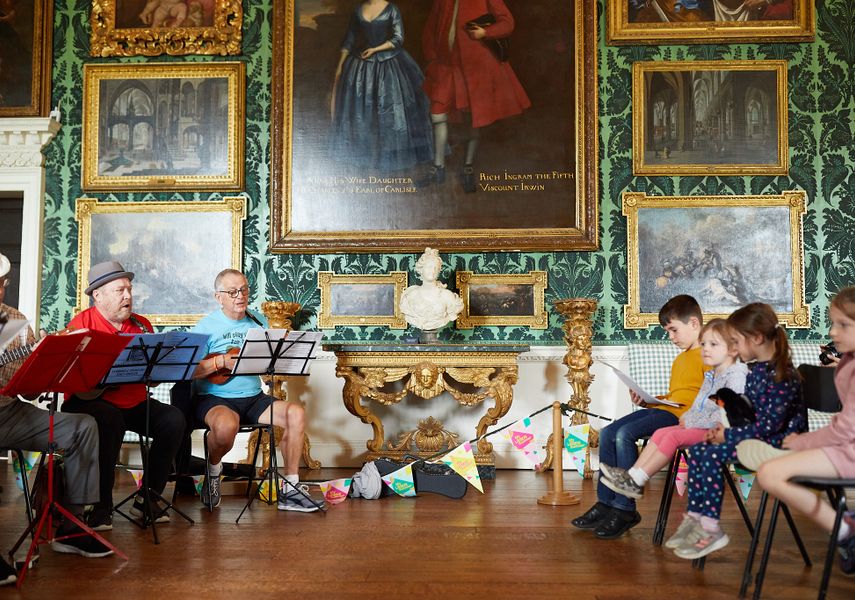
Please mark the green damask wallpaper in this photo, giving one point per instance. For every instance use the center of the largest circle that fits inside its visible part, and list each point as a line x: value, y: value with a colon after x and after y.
x: 822, y: 162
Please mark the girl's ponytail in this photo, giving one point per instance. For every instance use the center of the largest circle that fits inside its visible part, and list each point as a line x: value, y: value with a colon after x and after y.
x: 758, y: 318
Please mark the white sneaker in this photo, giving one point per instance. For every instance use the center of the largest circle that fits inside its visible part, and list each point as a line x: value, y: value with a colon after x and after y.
x: 676, y: 540
x: 753, y: 453
x: 701, y: 542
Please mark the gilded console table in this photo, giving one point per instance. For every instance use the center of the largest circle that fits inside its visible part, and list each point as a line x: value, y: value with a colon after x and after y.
x: 388, y: 373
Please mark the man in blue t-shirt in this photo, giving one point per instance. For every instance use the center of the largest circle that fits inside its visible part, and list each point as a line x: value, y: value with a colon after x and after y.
x: 223, y: 407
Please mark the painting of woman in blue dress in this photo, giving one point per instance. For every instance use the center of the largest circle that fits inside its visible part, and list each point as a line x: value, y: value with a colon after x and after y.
x: 380, y: 115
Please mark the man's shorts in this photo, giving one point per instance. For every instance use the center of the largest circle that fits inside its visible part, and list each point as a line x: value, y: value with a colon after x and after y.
x: 248, y: 409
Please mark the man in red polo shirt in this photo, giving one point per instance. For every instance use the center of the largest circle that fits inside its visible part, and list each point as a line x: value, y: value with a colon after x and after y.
x: 123, y: 407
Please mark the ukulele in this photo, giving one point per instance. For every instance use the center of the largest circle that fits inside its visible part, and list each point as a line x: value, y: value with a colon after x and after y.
x: 223, y: 375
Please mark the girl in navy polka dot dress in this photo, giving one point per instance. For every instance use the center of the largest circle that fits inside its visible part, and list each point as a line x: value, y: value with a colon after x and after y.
x: 774, y: 388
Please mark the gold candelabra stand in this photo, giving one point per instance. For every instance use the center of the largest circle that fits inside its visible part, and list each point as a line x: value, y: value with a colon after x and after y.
x: 578, y: 332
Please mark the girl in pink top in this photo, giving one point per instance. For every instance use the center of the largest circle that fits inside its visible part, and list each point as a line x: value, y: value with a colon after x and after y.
x: 827, y: 452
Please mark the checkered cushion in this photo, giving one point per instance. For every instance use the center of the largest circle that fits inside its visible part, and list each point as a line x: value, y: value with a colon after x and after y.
x: 650, y: 366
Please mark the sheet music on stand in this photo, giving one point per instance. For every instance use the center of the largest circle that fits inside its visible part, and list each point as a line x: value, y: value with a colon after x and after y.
x: 277, y: 352
x: 178, y: 354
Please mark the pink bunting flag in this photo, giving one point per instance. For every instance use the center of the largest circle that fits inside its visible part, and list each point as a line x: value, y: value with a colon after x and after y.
x: 401, y: 481
x: 137, y: 475
x: 521, y: 437
x: 336, y: 490
x: 462, y: 460
x: 682, y: 477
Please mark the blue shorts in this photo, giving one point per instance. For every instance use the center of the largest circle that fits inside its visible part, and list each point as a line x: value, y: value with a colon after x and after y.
x: 248, y: 409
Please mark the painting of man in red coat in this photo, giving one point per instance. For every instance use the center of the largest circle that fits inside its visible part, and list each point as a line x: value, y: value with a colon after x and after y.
x: 468, y: 77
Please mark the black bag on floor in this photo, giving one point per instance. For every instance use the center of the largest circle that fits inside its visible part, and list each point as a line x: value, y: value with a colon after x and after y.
x: 428, y: 478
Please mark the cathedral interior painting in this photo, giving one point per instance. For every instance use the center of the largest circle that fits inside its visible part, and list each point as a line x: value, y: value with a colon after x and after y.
x: 163, y: 127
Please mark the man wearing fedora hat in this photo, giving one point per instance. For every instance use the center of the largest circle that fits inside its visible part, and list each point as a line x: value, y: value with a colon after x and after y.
x: 123, y: 407
x: 24, y: 426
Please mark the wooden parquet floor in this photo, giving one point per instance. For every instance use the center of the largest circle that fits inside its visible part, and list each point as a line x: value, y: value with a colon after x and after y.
x: 497, y: 545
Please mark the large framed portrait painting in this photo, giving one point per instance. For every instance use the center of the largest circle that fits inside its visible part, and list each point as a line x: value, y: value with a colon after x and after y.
x: 463, y: 126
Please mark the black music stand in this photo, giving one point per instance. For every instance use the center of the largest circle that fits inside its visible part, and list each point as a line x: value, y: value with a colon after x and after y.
x: 154, y: 358
x: 66, y: 364
x: 276, y: 352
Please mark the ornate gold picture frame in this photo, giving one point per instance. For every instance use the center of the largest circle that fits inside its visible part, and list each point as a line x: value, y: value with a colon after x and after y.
x: 490, y: 299
x: 26, y: 56
x: 146, y: 28
x: 361, y: 299
x: 726, y: 251
x: 659, y: 22
x: 174, y: 271
x: 710, y: 118
x: 534, y: 173
x: 163, y: 126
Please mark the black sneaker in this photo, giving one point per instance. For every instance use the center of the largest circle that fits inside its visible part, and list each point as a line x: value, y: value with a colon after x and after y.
x: 84, y: 545
x: 592, y: 518
x: 100, y: 519
x: 7, y: 573
x: 158, y: 511
x: 211, y: 500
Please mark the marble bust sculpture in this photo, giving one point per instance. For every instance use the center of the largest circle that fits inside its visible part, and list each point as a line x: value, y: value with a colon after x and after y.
x: 430, y: 305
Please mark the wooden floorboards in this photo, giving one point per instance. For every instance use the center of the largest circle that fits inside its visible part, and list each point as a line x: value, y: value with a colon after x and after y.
x: 497, y: 545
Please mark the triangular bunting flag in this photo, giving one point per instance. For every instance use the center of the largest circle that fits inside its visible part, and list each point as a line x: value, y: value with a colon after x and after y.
x: 520, y: 436
x: 16, y: 467
x: 335, y: 491
x: 30, y: 458
x: 745, y: 479
x: 576, y: 439
x: 264, y: 491
x: 137, y: 475
x: 198, y: 482
x: 462, y: 461
x: 578, y: 461
x: 682, y: 476
x: 401, y: 481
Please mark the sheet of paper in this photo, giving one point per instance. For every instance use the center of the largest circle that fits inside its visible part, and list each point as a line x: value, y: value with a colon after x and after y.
x: 633, y: 385
x: 294, y: 351
x: 176, y: 359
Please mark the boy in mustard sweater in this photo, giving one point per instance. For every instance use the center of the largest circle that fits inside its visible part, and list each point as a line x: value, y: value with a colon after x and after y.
x: 614, y: 514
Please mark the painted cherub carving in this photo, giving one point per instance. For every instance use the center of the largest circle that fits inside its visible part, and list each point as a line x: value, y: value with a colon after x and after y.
x: 164, y: 13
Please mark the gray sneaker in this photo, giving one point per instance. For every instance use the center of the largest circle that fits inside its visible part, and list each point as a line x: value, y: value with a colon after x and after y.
x: 211, y: 500
x: 295, y: 501
x: 623, y: 485
x: 701, y: 542
x: 611, y: 472
x: 676, y: 540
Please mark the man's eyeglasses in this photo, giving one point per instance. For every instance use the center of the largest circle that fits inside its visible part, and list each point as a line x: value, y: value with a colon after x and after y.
x: 4, y: 281
x: 242, y: 291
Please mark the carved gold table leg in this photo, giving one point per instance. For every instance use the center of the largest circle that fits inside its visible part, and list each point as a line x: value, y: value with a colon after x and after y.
x: 578, y: 333
x: 501, y: 389
x: 354, y: 385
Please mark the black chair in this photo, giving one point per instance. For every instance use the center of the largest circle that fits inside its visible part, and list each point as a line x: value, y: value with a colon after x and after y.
x: 182, y: 396
x: 668, y: 494
x: 819, y: 395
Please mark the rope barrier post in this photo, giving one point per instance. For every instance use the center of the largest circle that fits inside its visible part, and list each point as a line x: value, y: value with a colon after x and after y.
x: 557, y: 497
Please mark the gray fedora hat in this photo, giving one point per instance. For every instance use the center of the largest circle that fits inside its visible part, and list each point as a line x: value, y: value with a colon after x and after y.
x: 106, y: 272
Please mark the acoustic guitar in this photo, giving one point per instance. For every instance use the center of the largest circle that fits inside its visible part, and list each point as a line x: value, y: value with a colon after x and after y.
x: 223, y: 375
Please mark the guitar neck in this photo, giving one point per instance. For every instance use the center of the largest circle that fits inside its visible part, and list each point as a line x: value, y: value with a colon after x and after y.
x: 16, y: 354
